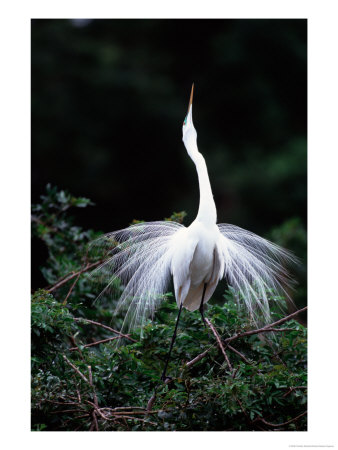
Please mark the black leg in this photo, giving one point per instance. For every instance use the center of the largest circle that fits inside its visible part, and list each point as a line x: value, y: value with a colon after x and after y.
x: 163, y: 377
x: 202, y: 306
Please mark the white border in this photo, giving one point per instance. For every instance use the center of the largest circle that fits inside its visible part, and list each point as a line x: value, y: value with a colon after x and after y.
x: 15, y: 182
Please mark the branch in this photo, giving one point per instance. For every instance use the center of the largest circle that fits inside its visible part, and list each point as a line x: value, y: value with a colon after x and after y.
x: 95, y: 422
x: 286, y: 318
x: 267, y: 328
x: 277, y: 329
x: 76, y: 369
x: 76, y: 347
x: 241, y: 406
x: 98, y: 410
x: 71, y: 289
x: 141, y: 420
x: 198, y: 358
x: 40, y: 222
x: 118, y: 408
x: 238, y: 353
x: 258, y: 331
x: 93, y: 343
x: 293, y: 388
x: 120, y: 412
x: 219, y: 342
x: 64, y: 411
x: 80, y: 319
x: 152, y: 399
x: 260, y: 419
x: 72, y: 275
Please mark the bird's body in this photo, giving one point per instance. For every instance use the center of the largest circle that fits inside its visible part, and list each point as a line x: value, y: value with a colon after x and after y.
x: 195, y: 262
x: 144, y: 257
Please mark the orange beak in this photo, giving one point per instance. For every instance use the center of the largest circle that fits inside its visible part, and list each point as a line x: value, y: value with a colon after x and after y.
x: 191, y: 97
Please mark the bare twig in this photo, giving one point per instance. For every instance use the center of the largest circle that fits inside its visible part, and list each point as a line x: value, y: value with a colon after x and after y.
x: 197, y: 358
x: 280, y: 329
x: 61, y: 403
x: 96, y: 425
x: 98, y: 410
x: 76, y: 347
x: 125, y: 412
x: 94, y: 343
x: 219, y: 342
x: 119, y: 413
x: 241, y: 406
x: 260, y: 419
x: 234, y: 373
x: 238, y: 353
x: 76, y: 369
x: 141, y: 420
x: 153, y: 397
x: 41, y: 222
x: 80, y: 417
x: 118, y: 408
x: 64, y: 411
x: 276, y: 356
x: 80, y: 319
x: 267, y: 328
x: 71, y: 289
x: 72, y: 275
x: 286, y: 318
x: 293, y: 388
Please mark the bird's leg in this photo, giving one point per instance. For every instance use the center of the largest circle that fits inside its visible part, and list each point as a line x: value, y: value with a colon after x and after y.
x: 201, y: 310
x: 163, y: 377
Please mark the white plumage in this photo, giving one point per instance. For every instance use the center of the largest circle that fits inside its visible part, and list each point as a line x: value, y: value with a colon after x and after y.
x: 142, y: 259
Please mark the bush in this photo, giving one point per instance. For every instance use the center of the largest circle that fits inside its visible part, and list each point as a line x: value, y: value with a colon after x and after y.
x: 82, y: 381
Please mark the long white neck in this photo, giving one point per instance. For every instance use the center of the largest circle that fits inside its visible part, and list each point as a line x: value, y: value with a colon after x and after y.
x: 207, y: 209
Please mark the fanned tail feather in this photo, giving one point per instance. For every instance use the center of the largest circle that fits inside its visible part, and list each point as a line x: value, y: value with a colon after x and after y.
x: 137, y: 268
x: 256, y: 268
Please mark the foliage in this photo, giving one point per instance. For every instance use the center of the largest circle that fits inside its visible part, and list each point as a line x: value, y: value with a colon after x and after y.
x: 65, y: 242
x: 79, y: 383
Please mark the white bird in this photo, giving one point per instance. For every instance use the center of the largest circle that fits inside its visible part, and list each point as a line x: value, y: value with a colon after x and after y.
x: 143, y: 258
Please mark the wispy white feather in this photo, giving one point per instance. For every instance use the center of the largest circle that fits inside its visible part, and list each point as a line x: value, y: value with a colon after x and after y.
x: 256, y: 268
x: 138, y: 267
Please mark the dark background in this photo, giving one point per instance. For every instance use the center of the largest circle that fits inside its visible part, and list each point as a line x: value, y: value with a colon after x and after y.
x: 109, y: 98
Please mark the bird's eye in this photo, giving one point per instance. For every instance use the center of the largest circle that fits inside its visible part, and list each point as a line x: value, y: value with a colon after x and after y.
x: 185, y: 120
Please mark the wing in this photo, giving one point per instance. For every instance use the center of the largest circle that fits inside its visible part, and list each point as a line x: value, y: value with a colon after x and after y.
x: 137, y: 268
x: 255, y: 267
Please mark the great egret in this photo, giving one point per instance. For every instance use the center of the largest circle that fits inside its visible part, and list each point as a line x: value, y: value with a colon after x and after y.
x: 143, y: 258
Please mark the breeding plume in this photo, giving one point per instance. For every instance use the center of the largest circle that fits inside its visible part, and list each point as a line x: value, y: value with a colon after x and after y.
x: 142, y: 259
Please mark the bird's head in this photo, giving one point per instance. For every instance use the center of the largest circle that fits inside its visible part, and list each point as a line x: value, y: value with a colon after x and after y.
x: 188, y: 129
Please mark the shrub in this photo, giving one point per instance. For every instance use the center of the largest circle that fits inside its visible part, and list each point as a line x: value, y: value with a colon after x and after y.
x: 82, y: 381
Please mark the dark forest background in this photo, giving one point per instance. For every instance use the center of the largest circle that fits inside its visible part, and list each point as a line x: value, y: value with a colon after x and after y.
x: 108, y: 101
